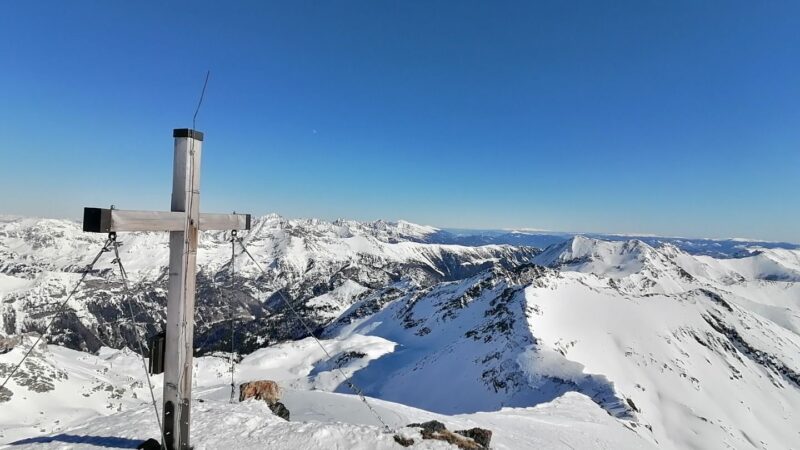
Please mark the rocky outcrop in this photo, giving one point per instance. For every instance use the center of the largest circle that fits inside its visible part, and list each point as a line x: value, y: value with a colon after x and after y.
x: 266, y: 390
x: 280, y: 410
x: 8, y: 343
x: 269, y: 392
x: 481, y: 436
x: 404, y: 441
x: 35, y: 373
x: 472, y: 439
x: 5, y: 394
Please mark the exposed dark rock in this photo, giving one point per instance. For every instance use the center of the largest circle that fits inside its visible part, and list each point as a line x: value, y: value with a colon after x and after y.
x: 268, y: 391
x: 716, y: 298
x: 344, y: 358
x: 632, y: 405
x: 737, y: 343
x: 35, y: 375
x: 5, y: 394
x: 150, y: 444
x: 405, y: 442
x: 280, y: 410
x: 423, y: 331
x: 431, y: 425
x: 480, y: 435
x: 6, y: 344
x: 472, y: 439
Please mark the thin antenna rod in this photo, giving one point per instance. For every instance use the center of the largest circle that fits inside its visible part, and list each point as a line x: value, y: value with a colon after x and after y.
x: 202, y: 94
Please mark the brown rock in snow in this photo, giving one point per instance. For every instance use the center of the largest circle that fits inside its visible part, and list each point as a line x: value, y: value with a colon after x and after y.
x: 266, y: 390
x: 472, y: 439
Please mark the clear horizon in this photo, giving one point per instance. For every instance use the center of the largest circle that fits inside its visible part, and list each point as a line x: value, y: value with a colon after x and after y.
x: 638, y: 118
x: 466, y: 230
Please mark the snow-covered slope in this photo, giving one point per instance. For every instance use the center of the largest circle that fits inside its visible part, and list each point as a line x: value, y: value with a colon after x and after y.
x: 329, y: 421
x: 691, y: 349
x: 101, y: 401
x: 698, y: 368
x: 479, y: 325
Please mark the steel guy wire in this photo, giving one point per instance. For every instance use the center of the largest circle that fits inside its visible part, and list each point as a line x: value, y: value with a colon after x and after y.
x: 127, y: 295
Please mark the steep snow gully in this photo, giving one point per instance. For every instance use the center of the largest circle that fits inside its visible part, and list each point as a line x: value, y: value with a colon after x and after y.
x: 587, y: 343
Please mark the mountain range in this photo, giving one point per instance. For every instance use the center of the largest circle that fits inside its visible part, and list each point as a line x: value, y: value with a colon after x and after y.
x: 674, y: 343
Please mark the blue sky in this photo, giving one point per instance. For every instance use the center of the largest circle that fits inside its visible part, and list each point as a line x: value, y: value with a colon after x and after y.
x: 673, y: 118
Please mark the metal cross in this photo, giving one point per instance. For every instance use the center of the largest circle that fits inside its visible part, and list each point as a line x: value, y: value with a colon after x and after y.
x: 183, y: 222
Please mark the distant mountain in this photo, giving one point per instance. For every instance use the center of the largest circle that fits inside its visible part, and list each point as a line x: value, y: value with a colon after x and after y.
x: 718, y: 248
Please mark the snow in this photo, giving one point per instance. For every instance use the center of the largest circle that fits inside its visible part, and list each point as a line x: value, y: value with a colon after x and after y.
x: 327, y: 421
x: 673, y: 379
x: 54, y: 244
x: 657, y: 343
x: 338, y: 300
x: 413, y: 229
x: 619, y: 344
x: 583, y: 254
x: 9, y: 284
x: 320, y: 420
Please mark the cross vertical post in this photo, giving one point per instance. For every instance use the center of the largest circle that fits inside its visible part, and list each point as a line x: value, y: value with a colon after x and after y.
x: 180, y: 297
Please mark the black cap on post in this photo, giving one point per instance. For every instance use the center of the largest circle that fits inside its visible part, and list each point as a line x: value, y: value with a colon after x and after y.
x: 187, y: 132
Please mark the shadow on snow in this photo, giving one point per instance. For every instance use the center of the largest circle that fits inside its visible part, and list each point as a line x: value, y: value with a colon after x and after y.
x: 99, y: 441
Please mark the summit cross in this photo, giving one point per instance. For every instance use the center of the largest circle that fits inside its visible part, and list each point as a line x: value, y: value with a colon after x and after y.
x: 183, y: 222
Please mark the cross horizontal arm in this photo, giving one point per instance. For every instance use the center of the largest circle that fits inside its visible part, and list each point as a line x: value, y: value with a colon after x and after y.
x: 224, y: 221
x: 102, y: 220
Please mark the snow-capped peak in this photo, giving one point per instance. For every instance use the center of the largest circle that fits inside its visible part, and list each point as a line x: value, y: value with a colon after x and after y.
x: 583, y: 254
